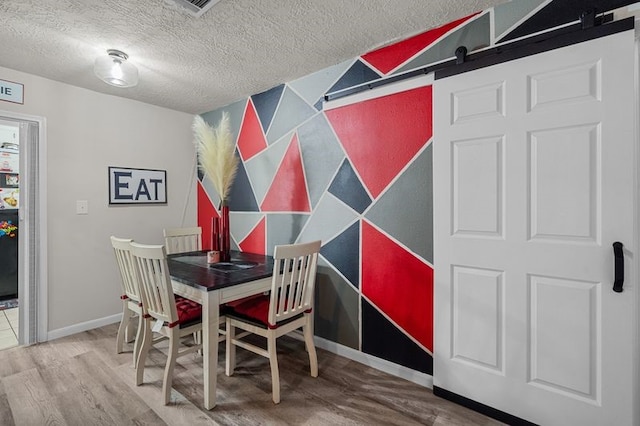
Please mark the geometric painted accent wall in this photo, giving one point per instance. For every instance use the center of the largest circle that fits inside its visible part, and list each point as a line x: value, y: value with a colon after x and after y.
x: 359, y: 178
x: 381, y: 136
x: 343, y: 176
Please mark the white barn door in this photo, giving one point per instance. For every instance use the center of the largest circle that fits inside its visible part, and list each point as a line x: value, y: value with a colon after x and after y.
x: 533, y: 182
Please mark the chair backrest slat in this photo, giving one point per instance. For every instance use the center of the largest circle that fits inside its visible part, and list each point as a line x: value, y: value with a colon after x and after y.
x: 121, y: 247
x: 181, y: 240
x: 294, y: 275
x: 153, y: 276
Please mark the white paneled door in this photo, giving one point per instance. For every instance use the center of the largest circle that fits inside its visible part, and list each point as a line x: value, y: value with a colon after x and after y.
x: 533, y: 183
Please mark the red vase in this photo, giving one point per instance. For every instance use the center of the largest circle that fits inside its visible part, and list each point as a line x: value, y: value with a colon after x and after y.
x: 225, y: 235
x: 215, y: 234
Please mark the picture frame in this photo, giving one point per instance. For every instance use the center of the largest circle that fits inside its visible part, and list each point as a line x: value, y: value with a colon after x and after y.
x: 137, y: 186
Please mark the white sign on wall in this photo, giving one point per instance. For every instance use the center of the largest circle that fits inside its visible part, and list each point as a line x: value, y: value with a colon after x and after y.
x: 11, y: 92
x: 137, y: 186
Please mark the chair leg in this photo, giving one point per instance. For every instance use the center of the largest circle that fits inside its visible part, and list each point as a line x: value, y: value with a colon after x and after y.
x: 311, y: 347
x: 147, y: 338
x: 174, y: 342
x: 273, y: 361
x: 137, y: 345
x: 126, y: 318
x: 129, y: 335
x: 230, y: 349
x: 222, y: 331
x: 197, y: 339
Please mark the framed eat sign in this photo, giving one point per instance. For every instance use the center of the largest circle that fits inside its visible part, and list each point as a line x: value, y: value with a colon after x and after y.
x: 137, y: 186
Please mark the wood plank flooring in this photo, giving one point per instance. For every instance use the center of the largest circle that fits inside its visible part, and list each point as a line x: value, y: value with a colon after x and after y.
x: 80, y: 380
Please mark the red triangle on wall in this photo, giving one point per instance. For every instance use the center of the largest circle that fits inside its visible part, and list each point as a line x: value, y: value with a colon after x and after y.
x: 255, y: 242
x: 251, y: 140
x: 398, y: 283
x: 390, y: 57
x: 288, y: 191
x: 206, y: 211
x: 381, y: 135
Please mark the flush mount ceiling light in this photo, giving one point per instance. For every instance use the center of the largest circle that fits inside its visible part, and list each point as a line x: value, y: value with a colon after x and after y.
x: 114, y: 69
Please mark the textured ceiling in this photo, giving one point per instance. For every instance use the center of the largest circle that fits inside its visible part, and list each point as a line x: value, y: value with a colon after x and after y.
x: 236, y: 49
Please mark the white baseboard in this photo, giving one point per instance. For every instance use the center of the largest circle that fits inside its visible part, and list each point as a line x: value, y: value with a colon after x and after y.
x: 421, y: 379
x: 388, y: 367
x: 417, y: 377
x: 83, y: 326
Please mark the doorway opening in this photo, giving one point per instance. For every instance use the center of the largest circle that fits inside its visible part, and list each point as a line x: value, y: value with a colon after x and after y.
x: 23, y: 308
x: 9, y: 233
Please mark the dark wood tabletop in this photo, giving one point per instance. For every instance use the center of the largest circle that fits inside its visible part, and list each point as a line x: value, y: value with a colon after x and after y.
x: 193, y: 270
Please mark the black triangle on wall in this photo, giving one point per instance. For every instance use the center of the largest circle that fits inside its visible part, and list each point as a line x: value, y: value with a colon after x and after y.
x: 344, y: 253
x: 241, y: 196
x: 349, y: 189
x: 382, y: 339
x: 266, y: 103
x: 358, y: 73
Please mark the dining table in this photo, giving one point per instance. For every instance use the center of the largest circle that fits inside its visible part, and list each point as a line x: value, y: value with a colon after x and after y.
x: 213, y: 285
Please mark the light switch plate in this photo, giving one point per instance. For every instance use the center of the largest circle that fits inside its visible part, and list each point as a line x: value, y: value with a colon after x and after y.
x: 82, y: 207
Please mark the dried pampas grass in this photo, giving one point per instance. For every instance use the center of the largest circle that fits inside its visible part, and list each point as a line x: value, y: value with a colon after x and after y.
x: 216, y: 154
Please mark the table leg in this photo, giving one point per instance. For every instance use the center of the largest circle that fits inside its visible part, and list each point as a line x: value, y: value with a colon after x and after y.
x: 210, y: 327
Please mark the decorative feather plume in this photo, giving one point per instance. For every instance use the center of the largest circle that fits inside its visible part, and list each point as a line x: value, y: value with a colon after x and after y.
x: 216, y: 154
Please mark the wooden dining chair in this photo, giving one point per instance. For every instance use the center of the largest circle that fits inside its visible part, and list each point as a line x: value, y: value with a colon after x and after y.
x: 131, y: 302
x: 181, y: 240
x: 287, y: 307
x: 172, y: 317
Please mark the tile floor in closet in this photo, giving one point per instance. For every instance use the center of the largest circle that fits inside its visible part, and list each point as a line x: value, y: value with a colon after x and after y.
x: 8, y: 328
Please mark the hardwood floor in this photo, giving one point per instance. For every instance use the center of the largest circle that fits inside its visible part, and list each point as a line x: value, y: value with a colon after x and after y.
x: 80, y: 380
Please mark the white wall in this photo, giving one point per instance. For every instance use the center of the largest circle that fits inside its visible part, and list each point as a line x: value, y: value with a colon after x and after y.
x: 85, y: 133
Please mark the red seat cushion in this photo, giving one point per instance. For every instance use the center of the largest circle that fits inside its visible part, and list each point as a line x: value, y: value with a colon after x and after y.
x: 188, y: 311
x: 253, y: 308
x: 256, y: 309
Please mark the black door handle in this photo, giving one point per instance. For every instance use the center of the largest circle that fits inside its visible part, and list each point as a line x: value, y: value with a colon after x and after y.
x: 619, y: 267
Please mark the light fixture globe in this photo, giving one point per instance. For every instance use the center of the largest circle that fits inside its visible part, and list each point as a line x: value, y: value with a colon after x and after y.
x: 114, y: 69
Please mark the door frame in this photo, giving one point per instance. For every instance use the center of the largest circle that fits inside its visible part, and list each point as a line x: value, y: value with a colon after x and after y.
x: 636, y: 231
x: 32, y: 244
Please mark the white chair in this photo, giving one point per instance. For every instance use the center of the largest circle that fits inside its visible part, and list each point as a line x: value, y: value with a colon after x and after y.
x: 131, y: 303
x: 287, y: 308
x: 173, y: 317
x: 181, y: 240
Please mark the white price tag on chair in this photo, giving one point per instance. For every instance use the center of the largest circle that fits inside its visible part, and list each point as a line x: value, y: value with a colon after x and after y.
x: 157, y: 326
